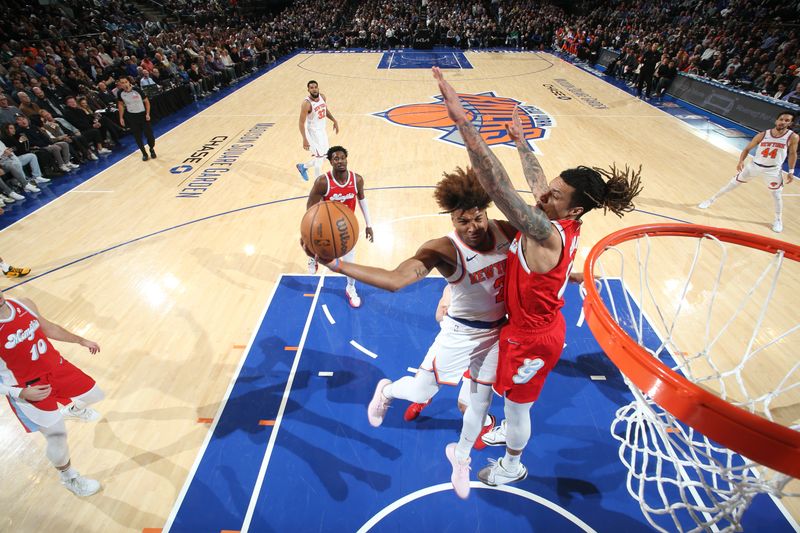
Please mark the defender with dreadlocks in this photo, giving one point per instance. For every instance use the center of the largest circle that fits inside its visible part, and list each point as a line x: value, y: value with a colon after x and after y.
x: 539, y: 263
x: 472, y: 258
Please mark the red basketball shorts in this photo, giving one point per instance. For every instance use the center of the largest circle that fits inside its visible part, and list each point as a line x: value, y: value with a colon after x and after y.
x: 526, y: 358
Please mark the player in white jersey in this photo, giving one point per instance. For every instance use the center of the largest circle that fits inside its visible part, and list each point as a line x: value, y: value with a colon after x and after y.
x: 472, y: 259
x: 314, y: 113
x: 773, y: 147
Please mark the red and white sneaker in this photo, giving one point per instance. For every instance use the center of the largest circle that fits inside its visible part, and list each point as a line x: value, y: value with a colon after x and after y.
x: 352, y: 296
x: 460, y: 476
x: 377, y: 408
x: 413, y: 411
x: 479, y: 444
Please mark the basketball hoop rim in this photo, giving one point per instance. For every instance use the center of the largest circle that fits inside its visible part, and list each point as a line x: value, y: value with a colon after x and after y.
x: 761, y: 440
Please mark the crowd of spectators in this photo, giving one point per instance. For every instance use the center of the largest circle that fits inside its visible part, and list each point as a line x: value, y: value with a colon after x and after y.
x: 59, y: 62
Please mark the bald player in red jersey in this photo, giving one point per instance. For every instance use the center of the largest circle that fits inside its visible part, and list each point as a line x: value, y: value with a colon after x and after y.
x: 35, y: 379
x: 537, y: 270
x: 347, y: 187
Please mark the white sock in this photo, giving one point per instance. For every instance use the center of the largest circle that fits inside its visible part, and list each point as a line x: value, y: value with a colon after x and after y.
x: 511, y: 463
x: 487, y: 420
x: 726, y: 189
x: 777, y: 197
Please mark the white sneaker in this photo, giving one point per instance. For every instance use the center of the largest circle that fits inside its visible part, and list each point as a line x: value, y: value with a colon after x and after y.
x: 41, y: 179
x: 16, y: 196
x: 32, y: 188
x: 705, y: 204
x: 65, y: 168
x: 497, y: 436
x: 312, y: 265
x: 777, y: 226
x: 73, y: 166
x: 6, y: 199
x: 81, y: 486
x: 87, y: 414
x: 495, y: 474
x: 104, y: 151
x: 376, y: 410
x: 352, y: 296
x: 460, y: 475
x: 92, y: 156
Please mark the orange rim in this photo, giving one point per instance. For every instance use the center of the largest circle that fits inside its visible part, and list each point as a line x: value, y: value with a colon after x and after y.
x: 765, y: 442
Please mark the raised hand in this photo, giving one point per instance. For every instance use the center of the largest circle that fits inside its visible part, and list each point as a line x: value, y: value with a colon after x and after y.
x: 455, y: 110
x: 515, y: 128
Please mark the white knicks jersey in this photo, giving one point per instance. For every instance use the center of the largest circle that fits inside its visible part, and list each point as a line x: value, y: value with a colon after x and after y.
x: 771, y: 151
x: 477, y: 284
x: 315, y: 120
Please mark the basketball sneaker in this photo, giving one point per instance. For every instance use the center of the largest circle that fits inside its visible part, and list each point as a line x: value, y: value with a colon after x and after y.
x: 496, y: 436
x: 14, y: 272
x: 479, y: 444
x: 377, y: 408
x: 302, y: 170
x: 81, y: 486
x: 705, y: 204
x: 87, y: 414
x: 777, y: 226
x: 313, y: 266
x: 460, y: 475
x: 413, y: 411
x: 352, y: 296
x: 495, y: 474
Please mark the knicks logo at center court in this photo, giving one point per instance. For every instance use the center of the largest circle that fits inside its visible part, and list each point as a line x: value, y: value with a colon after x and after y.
x: 488, y: 112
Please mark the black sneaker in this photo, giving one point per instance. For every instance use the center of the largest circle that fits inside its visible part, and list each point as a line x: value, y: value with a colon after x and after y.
x: 145, y: 157
x: 152, y: 154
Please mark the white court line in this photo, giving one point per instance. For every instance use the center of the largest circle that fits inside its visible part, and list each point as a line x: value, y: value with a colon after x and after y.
x: 325, y: 374
x: 251, y: 507
x: 391, y: 58
x: 362, y: 349
x: 328, y: 314
x: 793, y: 194
x: 221, y: 408
x: 87, y: 192
x: 598, y: 378
x: 455, y: 56
x: 386, y: 511
x: 412, y: 370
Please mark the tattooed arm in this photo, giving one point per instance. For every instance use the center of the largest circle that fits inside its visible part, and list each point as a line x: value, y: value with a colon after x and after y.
x: 532, y: 222
x: 534, y: 174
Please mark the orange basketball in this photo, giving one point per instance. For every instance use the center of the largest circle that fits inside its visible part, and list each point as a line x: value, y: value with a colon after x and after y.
x: 421, y: 115
x: 329, y: 229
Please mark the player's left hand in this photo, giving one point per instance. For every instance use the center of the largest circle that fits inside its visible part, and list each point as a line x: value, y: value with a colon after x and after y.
x: 370, y: 236
x: 91, y: 345
x: 789, y: 179
x: 455, y: 110
x: 336, y: 126
x: 515, y: 128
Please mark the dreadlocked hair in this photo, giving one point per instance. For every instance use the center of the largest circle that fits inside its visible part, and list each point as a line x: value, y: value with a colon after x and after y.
x: 461, y: 190
x: 592, y: 190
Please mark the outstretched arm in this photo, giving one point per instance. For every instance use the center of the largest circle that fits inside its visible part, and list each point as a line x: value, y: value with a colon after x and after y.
x: 534, y: 174
x: 56, y: 332
x: 530, y: 221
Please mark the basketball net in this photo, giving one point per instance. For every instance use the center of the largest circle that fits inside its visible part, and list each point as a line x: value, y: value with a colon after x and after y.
x: 721, y: 323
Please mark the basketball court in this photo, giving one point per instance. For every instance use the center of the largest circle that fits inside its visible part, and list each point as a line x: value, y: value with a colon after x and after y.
x: 237, y: 386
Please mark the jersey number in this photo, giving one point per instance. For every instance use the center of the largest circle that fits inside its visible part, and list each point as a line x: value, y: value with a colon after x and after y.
x: 498, y: 284
x: 772, y: 154
x: 38, y: 349
x: 527, y: 370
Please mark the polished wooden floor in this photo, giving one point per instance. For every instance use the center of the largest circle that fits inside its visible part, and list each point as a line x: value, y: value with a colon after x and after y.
x: 171, y: 311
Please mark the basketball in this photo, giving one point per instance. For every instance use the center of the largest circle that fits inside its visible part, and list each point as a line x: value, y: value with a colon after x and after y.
x: 329, y: 229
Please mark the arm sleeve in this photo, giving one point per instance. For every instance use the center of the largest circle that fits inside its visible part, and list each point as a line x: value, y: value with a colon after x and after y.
x: 363, y: 204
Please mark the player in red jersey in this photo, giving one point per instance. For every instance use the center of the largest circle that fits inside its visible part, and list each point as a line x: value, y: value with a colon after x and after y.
x: 539, y: 263
x: 35, y: 379
x: 347, y: 187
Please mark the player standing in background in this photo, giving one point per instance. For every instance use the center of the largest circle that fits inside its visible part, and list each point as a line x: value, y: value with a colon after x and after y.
x: 774, y: 146
x: 313, y: 114
x: 36, y: 378
x: 341, y: 185
x: 539, y: 263
x: 472, y: 258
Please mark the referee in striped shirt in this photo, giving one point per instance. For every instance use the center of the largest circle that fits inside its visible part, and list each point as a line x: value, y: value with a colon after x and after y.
x: 134, y: 110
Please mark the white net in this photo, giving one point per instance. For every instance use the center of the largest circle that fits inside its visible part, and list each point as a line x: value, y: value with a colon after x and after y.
x: 721, y: 315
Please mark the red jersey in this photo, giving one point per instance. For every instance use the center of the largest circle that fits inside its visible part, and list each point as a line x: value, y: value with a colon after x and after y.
x: 346, y: 194
x: 534, y: 300
x: 26, y: 353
